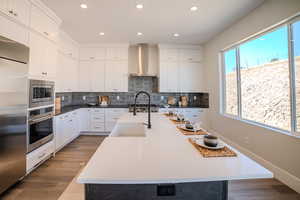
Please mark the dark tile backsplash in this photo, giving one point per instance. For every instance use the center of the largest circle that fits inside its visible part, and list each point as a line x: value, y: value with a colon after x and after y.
x: 125, y: 98
x: 135, y: 84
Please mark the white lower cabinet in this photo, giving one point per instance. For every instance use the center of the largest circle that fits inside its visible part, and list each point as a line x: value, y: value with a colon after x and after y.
x: 66, y: 128
x: 111, y: 117
x: 99, y: 121
x: 36, y: 157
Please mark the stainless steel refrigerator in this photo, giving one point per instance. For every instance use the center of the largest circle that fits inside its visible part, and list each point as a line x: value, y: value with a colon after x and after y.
x: 14, y: 59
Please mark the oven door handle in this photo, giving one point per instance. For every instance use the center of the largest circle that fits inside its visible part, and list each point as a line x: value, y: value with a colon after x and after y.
x: 34, y: 121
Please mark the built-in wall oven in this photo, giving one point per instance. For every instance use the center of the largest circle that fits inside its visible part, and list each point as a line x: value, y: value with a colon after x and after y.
x: 41, y: 93
x: 40, y: 127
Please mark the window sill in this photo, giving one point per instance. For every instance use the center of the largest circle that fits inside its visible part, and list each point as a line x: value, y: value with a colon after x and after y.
x: 295, y: 135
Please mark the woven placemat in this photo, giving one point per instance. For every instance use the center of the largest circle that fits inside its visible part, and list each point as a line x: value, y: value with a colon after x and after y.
x: 168, y: 115
x: 208, y: 153
x: 184, y: 132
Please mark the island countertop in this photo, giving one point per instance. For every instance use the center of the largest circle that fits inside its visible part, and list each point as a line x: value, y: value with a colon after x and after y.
x: 163, y: 156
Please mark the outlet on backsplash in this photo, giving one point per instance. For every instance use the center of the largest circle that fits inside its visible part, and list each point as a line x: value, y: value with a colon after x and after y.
x: 62, y: 98
x: 83, y: 98
x: 118, y: 98
x: 162, y: 98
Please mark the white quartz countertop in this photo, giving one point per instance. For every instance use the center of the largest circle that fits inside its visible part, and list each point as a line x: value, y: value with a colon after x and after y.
x: 163, y: 156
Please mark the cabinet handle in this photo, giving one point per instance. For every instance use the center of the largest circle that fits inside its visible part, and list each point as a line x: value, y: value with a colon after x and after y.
x: 46, y: 33
x: 41, y: 156
x: 11, y: 12
x: 15, y: 14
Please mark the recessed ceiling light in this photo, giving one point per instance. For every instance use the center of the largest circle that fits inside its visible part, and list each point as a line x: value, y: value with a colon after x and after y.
x: 83, y: 5
x: 176, y: 35
x: 139, y: 34
x: 194, y: 8
x: 139, y: 6
x: 101, y: 33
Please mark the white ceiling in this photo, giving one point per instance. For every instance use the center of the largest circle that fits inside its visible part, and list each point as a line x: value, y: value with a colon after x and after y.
x: 158, y: 21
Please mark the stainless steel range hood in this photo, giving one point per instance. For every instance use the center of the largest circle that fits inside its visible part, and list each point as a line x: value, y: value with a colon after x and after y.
x: 143, y: 62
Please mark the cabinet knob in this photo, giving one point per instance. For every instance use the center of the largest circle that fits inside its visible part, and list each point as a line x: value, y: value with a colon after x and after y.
x: 15, y: 14
x: 11, y: 12
x: 46, y: 33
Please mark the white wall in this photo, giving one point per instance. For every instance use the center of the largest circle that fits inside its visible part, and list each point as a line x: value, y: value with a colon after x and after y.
x: 277, y: 151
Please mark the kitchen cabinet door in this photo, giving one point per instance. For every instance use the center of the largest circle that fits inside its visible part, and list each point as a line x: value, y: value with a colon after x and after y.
x: 67, y: 74
x: 43, y: 24
x: 85, y: 119
x: 84, y: 83
x: 116, y: 76
x: 117, y: 53
x: 43, y: 57
x: 19, y: 10
x: 37, y: 54
x: 59, y: 132
x: 98, y: 76
x: 50, y: 59
x: 169, y: 55
x: 190, y: 55
x: 191, y: 77
x: 169, y: 77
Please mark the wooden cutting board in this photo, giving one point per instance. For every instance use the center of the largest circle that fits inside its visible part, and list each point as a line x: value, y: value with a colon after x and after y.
x: 57, y: 105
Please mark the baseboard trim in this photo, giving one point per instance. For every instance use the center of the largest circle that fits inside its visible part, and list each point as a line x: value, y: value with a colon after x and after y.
x: 279, y: 173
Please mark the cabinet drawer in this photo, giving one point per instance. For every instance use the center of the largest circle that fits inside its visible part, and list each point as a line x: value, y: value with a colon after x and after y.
x: 97, y: 127
x: 97, y: 110
x: 35, y: 157
x: 97, y: 118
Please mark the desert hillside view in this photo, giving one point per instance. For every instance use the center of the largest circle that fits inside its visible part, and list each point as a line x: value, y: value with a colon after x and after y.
x: 265, y: 93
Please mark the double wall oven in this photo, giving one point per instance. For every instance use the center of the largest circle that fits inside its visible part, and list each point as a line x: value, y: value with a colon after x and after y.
x: 40, y: 114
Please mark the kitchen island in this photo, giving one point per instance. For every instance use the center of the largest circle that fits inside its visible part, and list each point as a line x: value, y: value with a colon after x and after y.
x: 136, y: 163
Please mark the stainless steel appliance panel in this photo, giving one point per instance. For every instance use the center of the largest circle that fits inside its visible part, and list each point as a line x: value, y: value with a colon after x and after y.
x: 13, y: 111
x: 40, y: 127
x: 41, y: 93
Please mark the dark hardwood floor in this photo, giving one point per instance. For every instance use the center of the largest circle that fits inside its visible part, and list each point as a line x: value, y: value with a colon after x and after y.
x: 50, y: 180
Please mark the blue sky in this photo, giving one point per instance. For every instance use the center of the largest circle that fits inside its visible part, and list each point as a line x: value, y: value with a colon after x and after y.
x: 273, y: 45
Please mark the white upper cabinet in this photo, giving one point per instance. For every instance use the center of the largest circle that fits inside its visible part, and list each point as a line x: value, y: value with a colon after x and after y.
x: 43, y: 57
x: 190, y: 55
x: 180, y: 69
x: 67, y: 46
x: 43, y: 24
x: 17, y: 9
x: 116, y: 76
x: 169, y: 55
x: 67, y: 74
x: 117, y: 53
x: 169, y: 77
x: 191, y: 77
x: 84, y: 74
x: 98, y: 76
x: 88, y: 53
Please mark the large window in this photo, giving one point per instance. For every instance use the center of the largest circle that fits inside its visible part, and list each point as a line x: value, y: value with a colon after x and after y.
x: 257, y: 78
x: 296, y: 48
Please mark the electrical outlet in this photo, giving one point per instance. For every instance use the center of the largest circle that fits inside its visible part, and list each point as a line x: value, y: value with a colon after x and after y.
x: 63, y: 98
x: 162, y: 98
x: 118, y: 98
x: 84, y: 98
x: 195, y: 98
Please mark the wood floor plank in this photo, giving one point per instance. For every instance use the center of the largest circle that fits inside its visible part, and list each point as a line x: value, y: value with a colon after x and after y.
x: 51, y: 179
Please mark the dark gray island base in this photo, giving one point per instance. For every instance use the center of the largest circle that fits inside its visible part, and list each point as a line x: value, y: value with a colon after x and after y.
x: 213, y: 190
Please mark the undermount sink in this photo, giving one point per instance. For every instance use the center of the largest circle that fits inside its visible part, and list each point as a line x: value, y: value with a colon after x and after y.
x: 129, y: 129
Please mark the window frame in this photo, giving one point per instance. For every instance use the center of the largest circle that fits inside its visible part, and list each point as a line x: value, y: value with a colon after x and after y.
x: 288, y: 23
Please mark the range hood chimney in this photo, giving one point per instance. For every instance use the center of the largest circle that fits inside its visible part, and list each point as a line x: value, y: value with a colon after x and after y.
x: 143, y: 61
